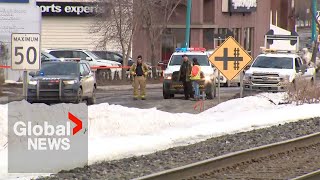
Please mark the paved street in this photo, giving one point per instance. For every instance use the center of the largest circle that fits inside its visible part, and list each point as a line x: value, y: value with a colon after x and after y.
x: 122, y: 95
x: 155, y: 99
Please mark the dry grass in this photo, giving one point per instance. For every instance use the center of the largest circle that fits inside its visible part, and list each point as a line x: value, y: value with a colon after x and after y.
x: 302, y: 92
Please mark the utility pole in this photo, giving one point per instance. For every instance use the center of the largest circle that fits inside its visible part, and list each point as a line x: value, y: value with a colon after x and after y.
x: 314, y: 24
x: 188, y: 22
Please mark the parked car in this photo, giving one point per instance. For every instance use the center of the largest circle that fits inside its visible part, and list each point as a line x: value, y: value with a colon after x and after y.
x: 46, y: 56
x: 274, y: 71
x: 113, y: 56
x: 62, y: 81
x: 90, y: 57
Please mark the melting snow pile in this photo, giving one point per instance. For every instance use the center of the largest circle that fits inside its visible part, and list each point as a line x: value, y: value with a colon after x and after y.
x: 118, y: 132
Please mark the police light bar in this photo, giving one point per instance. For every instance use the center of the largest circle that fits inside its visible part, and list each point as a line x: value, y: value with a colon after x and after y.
x: 190, y: 49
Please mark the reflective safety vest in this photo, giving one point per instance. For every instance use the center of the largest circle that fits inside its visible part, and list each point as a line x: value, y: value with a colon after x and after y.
x: 195, y: 72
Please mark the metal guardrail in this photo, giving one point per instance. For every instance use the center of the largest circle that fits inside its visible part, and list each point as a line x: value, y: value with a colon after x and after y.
x: 232, y: 158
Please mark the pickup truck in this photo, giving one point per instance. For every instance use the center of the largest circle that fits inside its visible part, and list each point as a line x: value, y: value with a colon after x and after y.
x: 274, y: 71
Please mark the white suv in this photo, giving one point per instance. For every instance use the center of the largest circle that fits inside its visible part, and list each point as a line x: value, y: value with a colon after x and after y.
x: 91, y: 58
x: 172, y: 84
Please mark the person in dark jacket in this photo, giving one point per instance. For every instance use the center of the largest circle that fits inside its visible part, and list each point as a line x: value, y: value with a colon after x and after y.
x: 184, y: 75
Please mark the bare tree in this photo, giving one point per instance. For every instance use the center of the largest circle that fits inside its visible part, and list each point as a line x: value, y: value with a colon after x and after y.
x: 155, y: 16
x: 117, y: 25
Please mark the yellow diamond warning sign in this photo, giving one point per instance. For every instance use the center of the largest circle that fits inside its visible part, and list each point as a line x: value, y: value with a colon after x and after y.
x: 230, y: 58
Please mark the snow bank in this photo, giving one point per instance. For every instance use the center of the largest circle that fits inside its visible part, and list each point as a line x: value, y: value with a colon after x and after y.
x: 118, y: 132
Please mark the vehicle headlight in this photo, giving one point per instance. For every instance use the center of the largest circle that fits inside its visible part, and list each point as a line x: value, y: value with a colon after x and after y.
x: 70, y: 82
x: 247, y: 77
x: 33, y: 82
x: 168, y: 76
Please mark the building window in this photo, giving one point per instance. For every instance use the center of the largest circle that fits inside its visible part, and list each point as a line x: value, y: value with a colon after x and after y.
x: 220, y: 40
x: 208, y: 38
x: 248, y: 40
x: 237, y: 34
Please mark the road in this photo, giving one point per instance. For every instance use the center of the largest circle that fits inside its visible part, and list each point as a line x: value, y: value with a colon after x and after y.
x: 122, y: 95
x: 154, y: 99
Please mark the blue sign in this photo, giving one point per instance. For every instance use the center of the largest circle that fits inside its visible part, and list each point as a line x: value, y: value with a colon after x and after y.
x: 14, y: 1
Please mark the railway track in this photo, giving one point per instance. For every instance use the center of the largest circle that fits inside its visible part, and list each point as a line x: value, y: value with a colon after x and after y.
x: 293, y: 159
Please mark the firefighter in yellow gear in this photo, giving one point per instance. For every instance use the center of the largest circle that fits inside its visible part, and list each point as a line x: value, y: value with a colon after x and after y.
x: 139, y: 71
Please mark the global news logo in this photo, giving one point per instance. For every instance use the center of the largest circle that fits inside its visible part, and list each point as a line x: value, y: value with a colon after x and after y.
x: 46, y: 136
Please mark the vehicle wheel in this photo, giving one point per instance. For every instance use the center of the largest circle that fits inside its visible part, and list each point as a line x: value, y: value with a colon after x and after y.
x: 79, y: 96
x: 171, y: 95
x: 92, y: 100
x: 166, y: 95
x: 165, y: 91
x: 239, y: 84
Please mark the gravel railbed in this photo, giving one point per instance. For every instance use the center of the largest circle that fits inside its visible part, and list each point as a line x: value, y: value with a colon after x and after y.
x: 133, y: 167
x: 284, y: 165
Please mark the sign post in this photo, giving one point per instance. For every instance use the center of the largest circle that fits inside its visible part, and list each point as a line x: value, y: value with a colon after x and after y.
x: 230, y: 59
x: 18, y: 16
x: 219, y: 85
x: 25, y: 55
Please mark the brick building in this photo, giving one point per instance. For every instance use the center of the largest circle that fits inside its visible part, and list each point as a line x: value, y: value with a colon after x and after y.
x: 211, y: 19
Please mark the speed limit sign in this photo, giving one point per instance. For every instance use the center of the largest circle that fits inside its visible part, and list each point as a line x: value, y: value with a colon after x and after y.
x: 25, y: 51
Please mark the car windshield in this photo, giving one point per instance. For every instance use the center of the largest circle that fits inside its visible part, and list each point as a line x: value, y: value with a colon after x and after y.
x: 70, y: 68
x: 202, y: 59
x: 94, y: 56
x: 45, y: 55
x: 273, y: 62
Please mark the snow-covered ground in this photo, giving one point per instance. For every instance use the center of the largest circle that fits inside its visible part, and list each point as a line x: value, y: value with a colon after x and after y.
x: 117, y: 132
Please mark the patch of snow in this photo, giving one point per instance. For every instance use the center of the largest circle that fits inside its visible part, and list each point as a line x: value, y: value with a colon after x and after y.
x: 117, y: 132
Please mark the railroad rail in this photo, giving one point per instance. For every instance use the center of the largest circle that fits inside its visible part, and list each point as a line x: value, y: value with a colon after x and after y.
x: 315, y: 175
x: 232, y: 160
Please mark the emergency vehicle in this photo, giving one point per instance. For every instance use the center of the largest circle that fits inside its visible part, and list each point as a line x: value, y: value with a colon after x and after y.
x: 172, y: 84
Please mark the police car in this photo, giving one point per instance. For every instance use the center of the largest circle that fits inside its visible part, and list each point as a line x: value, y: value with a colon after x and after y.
x: 172, y: 84
x: 62, y: 81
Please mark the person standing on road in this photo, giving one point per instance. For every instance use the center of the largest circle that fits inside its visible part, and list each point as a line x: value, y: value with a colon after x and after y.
x: 184, y: 75
x: 195, y: 77
x: 139, y: 71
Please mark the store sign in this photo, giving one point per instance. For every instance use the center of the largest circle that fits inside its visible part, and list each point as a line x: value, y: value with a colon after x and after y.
x: 242, y: 5
x: 69, y: 9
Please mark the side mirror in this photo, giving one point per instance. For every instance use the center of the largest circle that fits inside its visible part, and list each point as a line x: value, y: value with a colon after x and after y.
x: 84, y: 74
x: 88, y: 59
x: 32, y: 74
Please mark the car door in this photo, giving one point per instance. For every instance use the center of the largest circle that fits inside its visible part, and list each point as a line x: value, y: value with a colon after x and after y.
x: 84, y: 80
x: 306, y: 74
x: 90, y: 79
x: 297, y: 66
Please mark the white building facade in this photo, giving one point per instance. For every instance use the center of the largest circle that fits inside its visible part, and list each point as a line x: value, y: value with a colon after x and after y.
x: 67, y: 24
